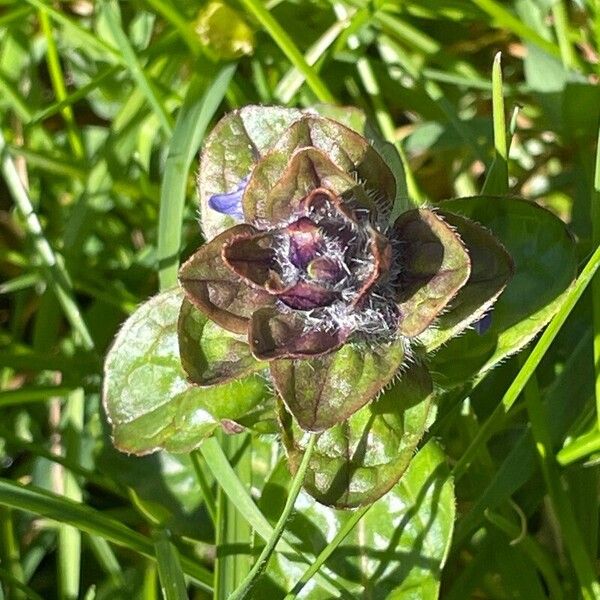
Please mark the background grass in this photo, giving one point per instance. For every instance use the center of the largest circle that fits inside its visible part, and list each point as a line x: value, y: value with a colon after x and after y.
x: 103, y: 106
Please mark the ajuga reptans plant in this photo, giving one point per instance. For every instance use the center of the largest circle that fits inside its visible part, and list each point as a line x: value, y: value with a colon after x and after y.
x: 308, y: 258
x: 309, y: 308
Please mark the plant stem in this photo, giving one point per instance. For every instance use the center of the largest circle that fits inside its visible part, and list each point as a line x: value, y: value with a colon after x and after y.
x: 244, y: 590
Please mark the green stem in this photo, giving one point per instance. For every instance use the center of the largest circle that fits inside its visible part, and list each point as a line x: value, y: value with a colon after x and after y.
x: 244, y: 590
x: 340, y: 536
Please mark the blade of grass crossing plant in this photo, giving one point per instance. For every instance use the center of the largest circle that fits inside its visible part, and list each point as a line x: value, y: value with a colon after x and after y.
x: 111, y: 11
x: 585, y: 571
x: 194, y: 117
x: 595, y: 205
x: 496, y: 181
x: 289, y: 48
x: 172, y: 581
x: 57, y: 273
x: 227, y: 479
x: 51, y: 506
x: 259, y: 567
x: 538, y: 352
x: 341, y: 535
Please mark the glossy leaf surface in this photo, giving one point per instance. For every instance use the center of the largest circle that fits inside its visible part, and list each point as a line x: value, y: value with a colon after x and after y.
x: 323, y: 391
x: 357, y: 461
x: 209, y: 354
x: 147, y: 398
x: 397, y: 550
x: 545, y: 265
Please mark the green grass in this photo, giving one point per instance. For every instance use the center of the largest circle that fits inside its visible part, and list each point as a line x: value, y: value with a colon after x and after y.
x: 103, y: 109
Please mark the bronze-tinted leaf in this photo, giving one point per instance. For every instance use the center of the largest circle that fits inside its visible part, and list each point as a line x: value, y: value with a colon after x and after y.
x: 273, y: 334
x: 323, y: 391
x: 252, y: 257
x: 273, y: 202
x: 230, y: 152
x: 348, y: 152
x: 209, y: 354
x: 491, y: 269
x: 435, y: 265
x: 358, y: 460
x: 214, y: 289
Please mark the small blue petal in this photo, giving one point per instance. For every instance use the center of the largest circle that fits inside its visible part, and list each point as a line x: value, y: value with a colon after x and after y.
x: 231, y: 202
x: 483, y: 324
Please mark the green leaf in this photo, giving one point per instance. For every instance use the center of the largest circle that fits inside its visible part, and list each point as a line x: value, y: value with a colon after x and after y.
x: 360, y: 459
x: 323, y: 391
x: 147, y: 399
x: 545, y: 265
x: 397, y: 549
x: 230, y: 152
x: 210, y: 354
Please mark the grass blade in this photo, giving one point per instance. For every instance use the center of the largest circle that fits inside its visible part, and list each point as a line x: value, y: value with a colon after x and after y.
x: 57, y: 273
x: 194, y: 117
x: 111, y: 12
x: 585, y: 571
x: 245, y: 588
x: 170, y: 574
x: 51, y: 506
x: 287, y: 46
x: 219, y: 465
x: 496, y: 181
x: 340, y: 536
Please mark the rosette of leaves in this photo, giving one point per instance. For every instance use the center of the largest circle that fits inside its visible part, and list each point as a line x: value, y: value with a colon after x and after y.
x: 309, y: 269
x: 315, y: 296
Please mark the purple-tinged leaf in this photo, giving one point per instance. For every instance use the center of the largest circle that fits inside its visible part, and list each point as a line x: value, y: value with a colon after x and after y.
x: 434, y: 266
x: 355, y: 462
x: 326, y: 390
x: 214, y: 289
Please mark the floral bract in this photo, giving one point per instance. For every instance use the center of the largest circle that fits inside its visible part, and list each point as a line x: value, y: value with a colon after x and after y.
x: 305, y: 269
